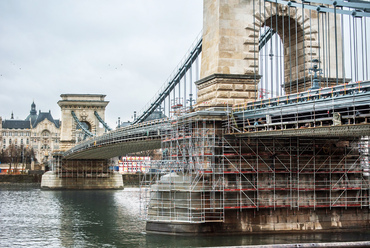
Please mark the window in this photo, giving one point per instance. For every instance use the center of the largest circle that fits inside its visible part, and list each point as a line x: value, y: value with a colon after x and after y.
x: 10, y: 141
x: 27, y: 142
x: 21, y: 141
x: 4, y: 133
x: 4, y: 141
x: 10, y: 133
x: 15, y: 134
x: 45, y: 133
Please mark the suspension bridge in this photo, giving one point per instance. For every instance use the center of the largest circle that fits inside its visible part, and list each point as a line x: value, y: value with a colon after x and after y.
x: 266, y: 124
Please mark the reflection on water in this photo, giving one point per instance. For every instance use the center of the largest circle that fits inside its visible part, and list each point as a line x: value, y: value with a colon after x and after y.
x: 30, y: 217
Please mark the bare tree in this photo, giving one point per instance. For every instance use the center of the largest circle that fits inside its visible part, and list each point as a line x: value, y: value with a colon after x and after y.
x: 11, y: 154
x: 14, y: 155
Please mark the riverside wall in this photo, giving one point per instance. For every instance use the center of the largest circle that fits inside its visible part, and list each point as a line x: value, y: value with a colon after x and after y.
x: 20, y: 178
x: 51, y: 181
x: 129, y: 180
x: 265, y: 221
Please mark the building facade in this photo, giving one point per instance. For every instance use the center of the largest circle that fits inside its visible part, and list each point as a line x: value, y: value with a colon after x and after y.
x: 134, y: 164
x: 39, y: 131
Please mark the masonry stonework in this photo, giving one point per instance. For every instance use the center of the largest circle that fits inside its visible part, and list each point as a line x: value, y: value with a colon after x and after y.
x: 84, y: 106
x: 231, y: 31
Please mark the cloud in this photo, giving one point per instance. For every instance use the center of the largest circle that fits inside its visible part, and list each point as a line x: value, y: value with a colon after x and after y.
x: 124, y: 49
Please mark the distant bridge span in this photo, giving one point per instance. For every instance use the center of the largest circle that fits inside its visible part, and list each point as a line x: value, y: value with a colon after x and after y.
x: 134, y: 138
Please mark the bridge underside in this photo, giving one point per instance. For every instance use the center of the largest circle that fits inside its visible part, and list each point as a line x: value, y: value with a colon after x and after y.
x: 115, y: 149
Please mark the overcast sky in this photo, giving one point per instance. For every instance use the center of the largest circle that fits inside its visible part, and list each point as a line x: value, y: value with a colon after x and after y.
x: 125, y: 49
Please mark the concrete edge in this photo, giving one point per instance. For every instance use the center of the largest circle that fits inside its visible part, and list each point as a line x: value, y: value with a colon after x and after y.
x: 332, y: 244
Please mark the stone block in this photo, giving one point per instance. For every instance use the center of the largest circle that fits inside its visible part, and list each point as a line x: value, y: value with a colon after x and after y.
x: 250, y: 41
x: 222, y: 94
x: 224, y: 87
x: 238, y: 87
x: 239, y: 94
x: 225, y: 70
x: 207, y: 89
x: 200, y: 99
x: 210, y: 95
x: 226, y: 54
x: 252, y: 70
x: 224, y: 101
x: 251, y: 87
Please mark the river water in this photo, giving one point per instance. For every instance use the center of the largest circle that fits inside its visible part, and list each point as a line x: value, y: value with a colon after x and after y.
x: 30, y: 217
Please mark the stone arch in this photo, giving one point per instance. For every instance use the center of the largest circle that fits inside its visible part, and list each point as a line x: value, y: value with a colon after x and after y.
x: 300, y: 45
x: 89, y: 121
x: 229, y: 65
x: 87, y: 125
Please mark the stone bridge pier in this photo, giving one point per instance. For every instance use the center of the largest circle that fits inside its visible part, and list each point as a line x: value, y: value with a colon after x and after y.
x: 81, y: 174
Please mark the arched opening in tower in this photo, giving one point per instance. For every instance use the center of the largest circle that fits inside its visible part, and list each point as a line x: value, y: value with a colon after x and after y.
x: 282, y: 61
x: 86, y: 125
x: 271, y: 64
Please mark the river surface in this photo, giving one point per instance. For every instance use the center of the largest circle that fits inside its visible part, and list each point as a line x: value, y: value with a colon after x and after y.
x: 30, y: 217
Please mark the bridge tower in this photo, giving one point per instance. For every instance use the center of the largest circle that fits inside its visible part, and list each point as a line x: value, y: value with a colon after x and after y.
x: 82, y: 115
x: 86, y: 108
x: 230, y: 52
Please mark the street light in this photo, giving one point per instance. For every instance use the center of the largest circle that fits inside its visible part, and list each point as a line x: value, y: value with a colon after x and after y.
x: 315, y: 69
x: 191, y: 100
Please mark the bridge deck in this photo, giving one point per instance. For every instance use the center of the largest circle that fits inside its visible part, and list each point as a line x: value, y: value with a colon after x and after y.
x: 134, y: 138
x: 343, y: 111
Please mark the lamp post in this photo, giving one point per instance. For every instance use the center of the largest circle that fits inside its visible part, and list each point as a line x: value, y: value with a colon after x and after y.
x: 191, y: 100
x: 315, y: 69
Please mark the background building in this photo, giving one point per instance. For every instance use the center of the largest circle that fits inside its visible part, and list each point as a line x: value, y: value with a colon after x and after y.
x: 134, y: 164
x: 36, y: 136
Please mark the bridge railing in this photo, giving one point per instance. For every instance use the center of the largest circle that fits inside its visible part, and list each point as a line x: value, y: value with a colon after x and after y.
x: 333, y: 106
x: 307, y: 96
x: 173, y: 79
x: 149, y: 129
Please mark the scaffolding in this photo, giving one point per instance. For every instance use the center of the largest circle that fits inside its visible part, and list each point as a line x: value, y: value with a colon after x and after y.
x: 304, y: 150
x: 206, y: 170
x: 187, y: 184
x: 296, y: 172
x: 63, y: 168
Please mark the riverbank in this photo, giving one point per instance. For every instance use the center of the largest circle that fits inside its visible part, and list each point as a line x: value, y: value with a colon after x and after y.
x: 129, y: 180
x: 34, y: 178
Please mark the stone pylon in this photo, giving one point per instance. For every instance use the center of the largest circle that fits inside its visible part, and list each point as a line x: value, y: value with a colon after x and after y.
x: 230, y: 48
x: 84, y: 106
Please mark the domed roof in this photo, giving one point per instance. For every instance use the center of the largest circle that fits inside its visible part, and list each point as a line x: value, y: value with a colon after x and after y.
x: 33, y: 113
